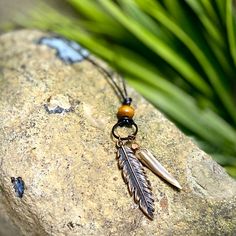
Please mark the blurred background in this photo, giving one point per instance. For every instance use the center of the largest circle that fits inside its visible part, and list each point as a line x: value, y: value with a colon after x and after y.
x: 10, y: 9
x: 180, y: 55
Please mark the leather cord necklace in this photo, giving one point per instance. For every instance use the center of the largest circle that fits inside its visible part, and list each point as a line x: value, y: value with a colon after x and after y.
x: 131, y: 157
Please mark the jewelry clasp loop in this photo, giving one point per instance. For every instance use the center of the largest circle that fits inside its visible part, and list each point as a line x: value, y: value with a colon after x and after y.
x: 125, y: 122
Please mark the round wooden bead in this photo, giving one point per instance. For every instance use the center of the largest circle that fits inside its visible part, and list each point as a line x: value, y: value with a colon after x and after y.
x: 125, y: 111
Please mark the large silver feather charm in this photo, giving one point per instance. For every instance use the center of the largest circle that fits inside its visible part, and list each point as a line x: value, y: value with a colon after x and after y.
x: 150, y: 161
x: 135, y: 177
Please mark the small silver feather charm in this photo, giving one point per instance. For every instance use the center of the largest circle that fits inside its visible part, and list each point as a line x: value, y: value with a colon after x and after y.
x: 135, y: 177
x: 150, y: 161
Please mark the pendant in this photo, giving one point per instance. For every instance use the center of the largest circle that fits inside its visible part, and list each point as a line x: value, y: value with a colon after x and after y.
x: 151, y: 162
x: 136, y: 179
x: 132, y: 159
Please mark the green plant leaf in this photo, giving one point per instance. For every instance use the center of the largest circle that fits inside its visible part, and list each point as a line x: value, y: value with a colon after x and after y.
x: 230, y: 22
x: 204, y: 60
x: 158, y: 46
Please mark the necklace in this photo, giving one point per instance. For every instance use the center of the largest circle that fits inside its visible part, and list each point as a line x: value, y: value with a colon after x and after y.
x: 131, y: 157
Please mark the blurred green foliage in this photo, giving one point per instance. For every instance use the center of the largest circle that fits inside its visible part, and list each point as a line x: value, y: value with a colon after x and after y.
x: 180, y: 55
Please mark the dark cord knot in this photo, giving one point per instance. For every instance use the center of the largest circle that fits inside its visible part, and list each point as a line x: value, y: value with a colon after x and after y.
x: 127, y: 101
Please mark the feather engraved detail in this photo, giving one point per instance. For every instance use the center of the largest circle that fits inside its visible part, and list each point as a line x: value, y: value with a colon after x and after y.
x: 135, y: 177
x: 150, y: 161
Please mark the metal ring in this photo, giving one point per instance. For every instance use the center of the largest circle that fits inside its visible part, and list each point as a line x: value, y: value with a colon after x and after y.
x: 120, y: 123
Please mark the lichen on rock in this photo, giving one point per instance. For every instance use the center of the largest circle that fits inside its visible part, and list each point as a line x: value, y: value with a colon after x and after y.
x: 55, y: 133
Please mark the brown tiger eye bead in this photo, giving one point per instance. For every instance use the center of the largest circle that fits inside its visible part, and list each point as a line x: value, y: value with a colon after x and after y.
x: 125, y: 111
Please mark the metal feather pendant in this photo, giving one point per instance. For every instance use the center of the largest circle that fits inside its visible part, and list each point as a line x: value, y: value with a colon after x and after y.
x: 131, y: 158
x: 150, y: 161
x: 135, y: 177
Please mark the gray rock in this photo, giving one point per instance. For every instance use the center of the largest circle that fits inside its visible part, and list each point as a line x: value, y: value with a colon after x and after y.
x: 67, y: 159
x: 7, y: 227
